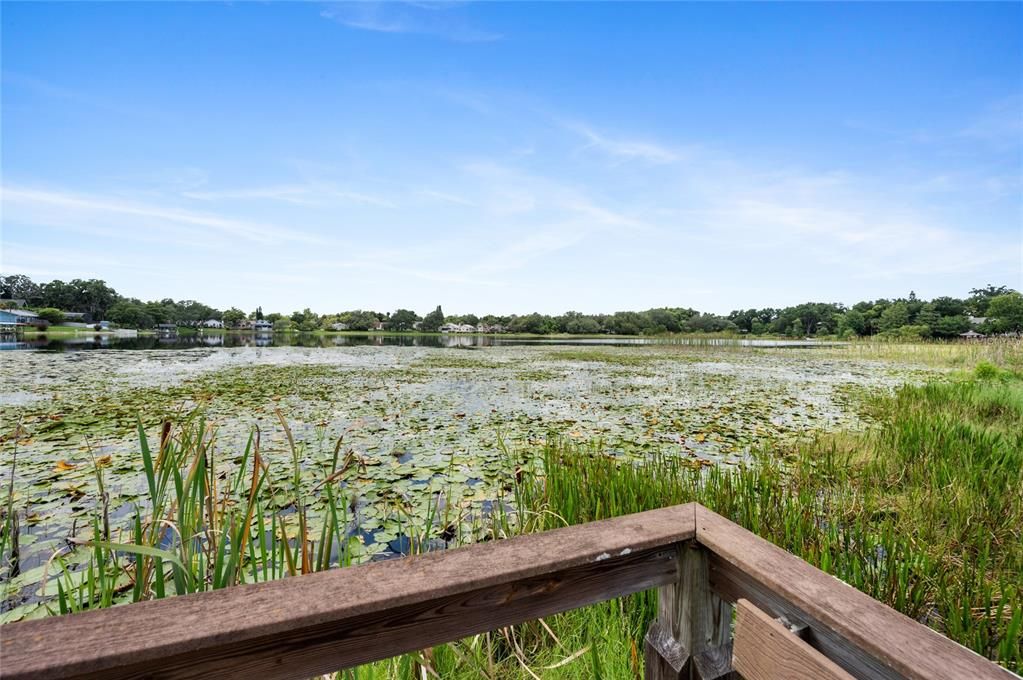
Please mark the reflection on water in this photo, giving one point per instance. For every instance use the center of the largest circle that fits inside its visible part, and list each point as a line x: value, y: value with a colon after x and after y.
x: 352, y: 340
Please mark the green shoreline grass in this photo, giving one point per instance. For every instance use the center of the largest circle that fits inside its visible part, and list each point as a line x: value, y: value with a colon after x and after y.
x: 923, y: 512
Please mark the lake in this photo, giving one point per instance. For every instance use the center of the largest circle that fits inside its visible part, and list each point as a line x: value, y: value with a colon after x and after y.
x: 87, y: 342
x: 424, y: 424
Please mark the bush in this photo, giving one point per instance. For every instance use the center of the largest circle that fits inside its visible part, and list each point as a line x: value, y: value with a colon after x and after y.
x: 51, y: 314
x: 986, y: 371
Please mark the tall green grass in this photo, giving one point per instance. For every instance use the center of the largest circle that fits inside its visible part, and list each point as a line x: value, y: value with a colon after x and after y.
x: 924, y: 514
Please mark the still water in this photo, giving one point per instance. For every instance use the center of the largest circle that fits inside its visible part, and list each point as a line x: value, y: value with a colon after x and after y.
x: 354, y: 340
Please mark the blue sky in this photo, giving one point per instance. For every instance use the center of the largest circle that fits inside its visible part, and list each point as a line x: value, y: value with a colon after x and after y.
x: 514, y: 157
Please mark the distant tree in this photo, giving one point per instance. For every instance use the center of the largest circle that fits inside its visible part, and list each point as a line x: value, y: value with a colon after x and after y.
x: 50, y: 314
x: 854, y: 321
x: 433, y: 321
x: 20, y: 287
x: 927, y: 316
x: 232, y: 317
x: 980, y: 298
x: 582, y: 325
x: 894, y: 317
x: 950, y: 326
x: 59, y: 295
x: 193, y: 313
x: 258, y: 314
x: 157, y: 311
x: 403, y: 320
x: 948, y: 306
x: 131, y: 314
x: 534, y: 324
x: 913, y: 332
x: 667, y: 319
x: 1006, y: 312
x: 306, y: 320
x: 709, y: 323
x: 360, y: 320
x: 629, y: 323
x: 273, y: 317
x: 92, y: 297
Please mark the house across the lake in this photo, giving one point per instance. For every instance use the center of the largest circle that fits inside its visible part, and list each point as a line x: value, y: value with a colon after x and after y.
x: 971, y: 335
x: 21, y: 317
x: 262, y: 325
x: 457, y: 328
x: 213, y: 323
x: 167, y: 328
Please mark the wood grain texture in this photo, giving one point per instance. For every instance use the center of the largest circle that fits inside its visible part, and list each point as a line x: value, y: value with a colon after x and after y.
x: 664, y: 657
x: 692, y: 622
x: 322, y: 622
x: 764, y: 649
x: 860, y: 634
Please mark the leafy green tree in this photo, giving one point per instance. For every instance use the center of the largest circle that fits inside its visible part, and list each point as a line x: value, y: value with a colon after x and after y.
x: 360, y: 320
x: 948, y: 306
x: 20, y: 287
x: 130, y: 314
x: 232, y: 317
x: 306, y: 320
x: 1007, y: 312
x: 50, y: 314
x: 258, y: 314
x: 894, y: 317
x: 980, y: 298
x: 403, y: 320
x: 950, y: 326
x: 927, y: 316
x: 854, y: 321
x: 59, y: 295
x: 582, y: 325
x: 709, y: 323
x: 913, y: 332
x: 433, y: 321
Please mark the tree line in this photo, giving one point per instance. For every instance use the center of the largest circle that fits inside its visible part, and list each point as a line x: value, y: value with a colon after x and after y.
x: 991, y: 309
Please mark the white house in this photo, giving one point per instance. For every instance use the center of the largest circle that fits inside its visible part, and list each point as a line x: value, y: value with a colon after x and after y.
x: 213, y: 323
x: 457, y: 328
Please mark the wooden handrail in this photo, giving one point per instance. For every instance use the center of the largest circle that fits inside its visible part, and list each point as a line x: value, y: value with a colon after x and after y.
x: 865, y: 637
x: 299, y: 627
x: 314, y: 624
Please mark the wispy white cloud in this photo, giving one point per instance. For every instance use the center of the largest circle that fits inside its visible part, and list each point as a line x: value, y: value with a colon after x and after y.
x: 446, y: 197
x: 57, y: 207
x: 623, y: 149
x: 442, y: 20
x: 298, y: 194
x: 999, y: 125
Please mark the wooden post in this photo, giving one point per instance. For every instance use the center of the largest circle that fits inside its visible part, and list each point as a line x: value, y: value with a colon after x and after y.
x: 691, y: 637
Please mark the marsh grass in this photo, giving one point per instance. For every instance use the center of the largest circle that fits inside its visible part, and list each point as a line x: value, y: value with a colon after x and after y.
x: 1005, y: 352
x: 623, y: 356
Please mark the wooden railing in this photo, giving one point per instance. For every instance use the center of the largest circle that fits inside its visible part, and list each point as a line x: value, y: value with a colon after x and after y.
x: 791, y: 620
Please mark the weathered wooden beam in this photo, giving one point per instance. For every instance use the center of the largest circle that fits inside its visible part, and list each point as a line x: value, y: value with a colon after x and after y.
x: 308, y: 625
x: 764, y: 649
x: 860, y: 634
x: 692, y: 626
